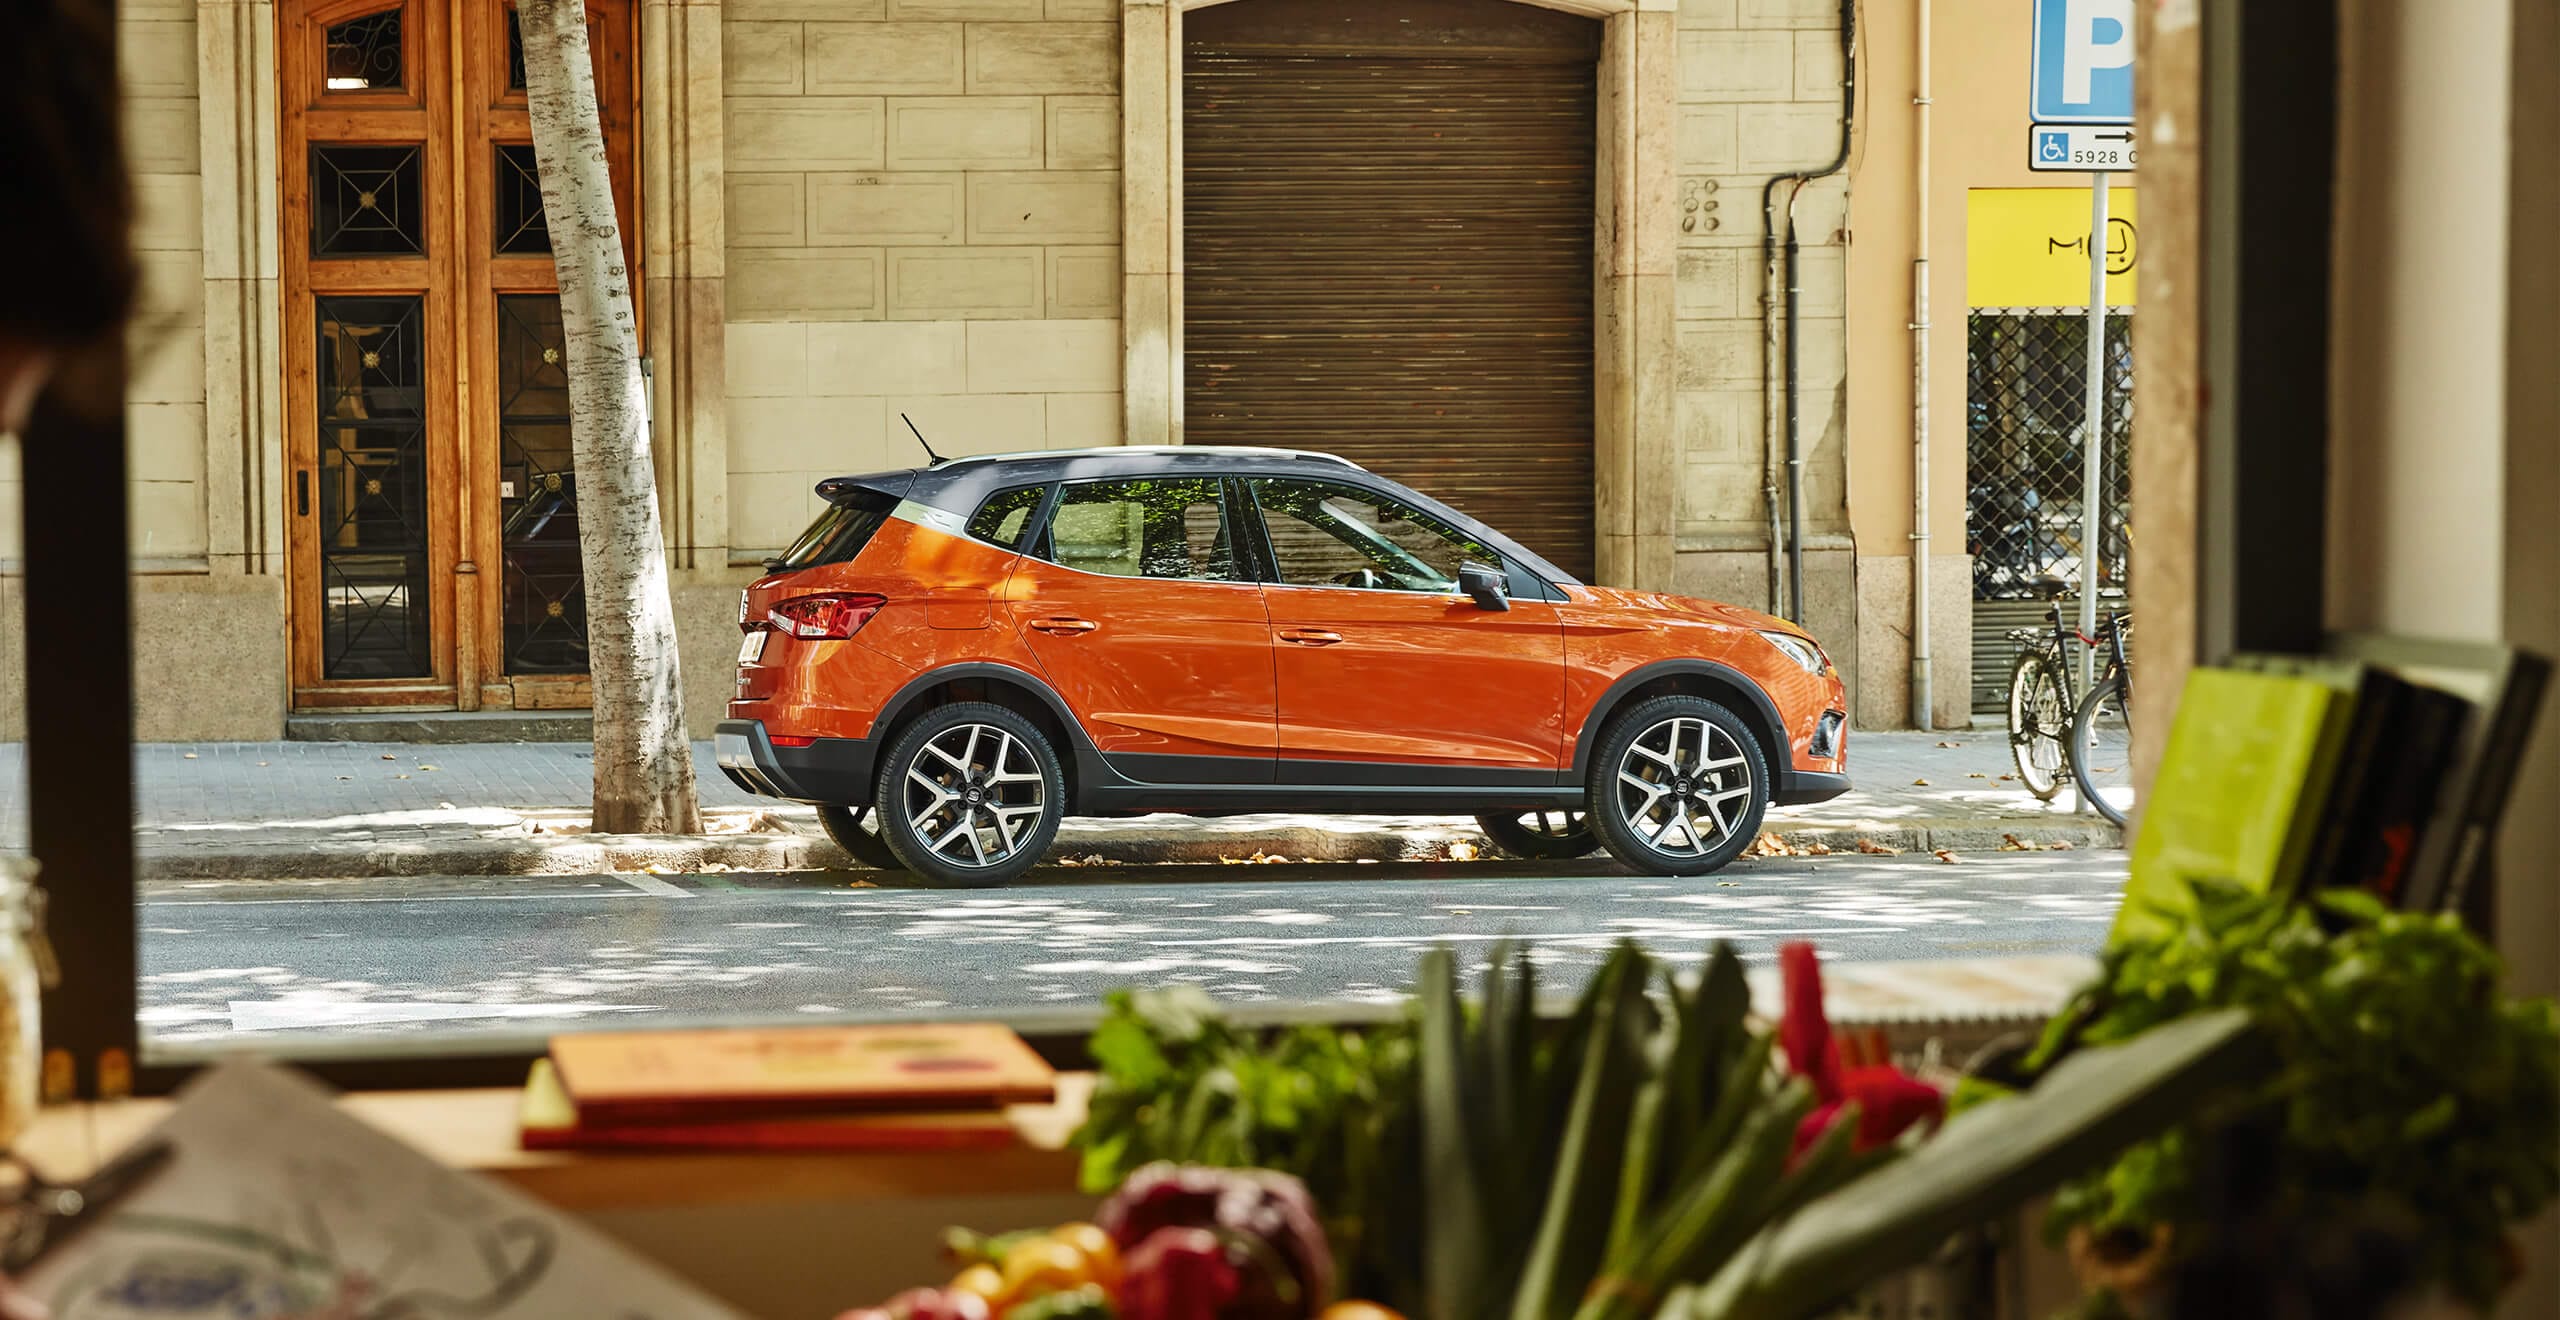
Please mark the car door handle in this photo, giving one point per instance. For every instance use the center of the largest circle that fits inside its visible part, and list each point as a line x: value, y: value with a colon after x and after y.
x: 1309, y: 636
x: 1065, y: 625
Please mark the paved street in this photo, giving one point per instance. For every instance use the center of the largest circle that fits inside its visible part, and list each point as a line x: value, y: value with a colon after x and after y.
x: 494, y: 958
x: 268, y: 810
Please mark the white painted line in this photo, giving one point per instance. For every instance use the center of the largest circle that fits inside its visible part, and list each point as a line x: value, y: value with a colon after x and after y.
x: 650, y: 884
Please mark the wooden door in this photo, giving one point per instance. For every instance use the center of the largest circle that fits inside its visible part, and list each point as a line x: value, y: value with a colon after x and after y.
x: 434, y: 551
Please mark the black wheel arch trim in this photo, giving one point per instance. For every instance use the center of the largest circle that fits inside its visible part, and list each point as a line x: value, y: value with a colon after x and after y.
x: 1791, y: 786
x: 1086, y: 764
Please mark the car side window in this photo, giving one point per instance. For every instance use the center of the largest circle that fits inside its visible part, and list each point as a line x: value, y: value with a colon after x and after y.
x: 1002, y: 519
x: 1328, y: 535
x: 1148, y: 527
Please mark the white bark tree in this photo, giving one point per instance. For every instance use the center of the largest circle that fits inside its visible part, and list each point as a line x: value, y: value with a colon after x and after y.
x: 644, y: 765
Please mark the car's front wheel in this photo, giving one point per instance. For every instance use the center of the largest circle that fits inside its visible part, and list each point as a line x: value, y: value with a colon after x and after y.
x: 1540, y: 836
x: 970, y: 794
x: 857, y: 831
x: 1677, y: 786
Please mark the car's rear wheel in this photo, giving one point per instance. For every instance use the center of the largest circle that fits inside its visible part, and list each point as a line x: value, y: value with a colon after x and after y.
x: 1677, y: 786
x: 1539, y: 836
x: 970, y: 794
x: 857, y: 831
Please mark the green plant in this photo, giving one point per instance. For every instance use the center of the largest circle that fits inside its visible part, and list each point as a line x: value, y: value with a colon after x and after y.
x: 2406, y: 1083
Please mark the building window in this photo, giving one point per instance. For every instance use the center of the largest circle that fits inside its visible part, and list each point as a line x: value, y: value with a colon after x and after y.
x: 364, y: 54
x: 366, y: 202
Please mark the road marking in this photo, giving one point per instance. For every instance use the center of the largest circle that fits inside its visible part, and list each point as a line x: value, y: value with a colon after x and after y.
x: 304, y: 1014
x: 650, y: 884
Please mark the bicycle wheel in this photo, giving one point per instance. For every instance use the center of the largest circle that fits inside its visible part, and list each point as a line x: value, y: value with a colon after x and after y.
x: 2102, y: 750
x: 2039, y: 720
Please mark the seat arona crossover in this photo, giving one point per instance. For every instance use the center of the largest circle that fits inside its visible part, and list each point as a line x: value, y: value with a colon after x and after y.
x: 954, y: 658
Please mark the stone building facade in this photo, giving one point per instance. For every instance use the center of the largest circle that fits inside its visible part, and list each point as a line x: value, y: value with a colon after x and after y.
x: 965, y: 212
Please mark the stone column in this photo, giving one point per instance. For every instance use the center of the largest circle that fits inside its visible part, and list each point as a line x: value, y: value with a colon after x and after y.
x: 681, y: 191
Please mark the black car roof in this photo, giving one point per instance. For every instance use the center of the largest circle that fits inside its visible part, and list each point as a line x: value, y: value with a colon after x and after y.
x: 960, y: 485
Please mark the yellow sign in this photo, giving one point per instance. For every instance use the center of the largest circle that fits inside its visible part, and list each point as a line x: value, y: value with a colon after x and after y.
x: 2029, y: 247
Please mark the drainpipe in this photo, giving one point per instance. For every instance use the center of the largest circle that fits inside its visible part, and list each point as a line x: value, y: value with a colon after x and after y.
x: 1795, y: 441
x: 1922, y: 708
x: 1769, y: 444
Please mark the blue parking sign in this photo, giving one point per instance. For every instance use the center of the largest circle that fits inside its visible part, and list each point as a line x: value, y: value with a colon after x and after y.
x: 2082, y: 66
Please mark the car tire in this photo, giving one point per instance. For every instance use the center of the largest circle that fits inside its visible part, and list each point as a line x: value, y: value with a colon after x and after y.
x: 1541, y: 836
x: 1665, y: 769
x: 970, y: 795
x: 857, y: 831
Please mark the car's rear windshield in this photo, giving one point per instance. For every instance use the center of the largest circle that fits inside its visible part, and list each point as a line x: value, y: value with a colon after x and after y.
x: 850, y: 521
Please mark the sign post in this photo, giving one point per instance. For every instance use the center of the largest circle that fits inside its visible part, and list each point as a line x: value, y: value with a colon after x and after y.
x: 2093, y: 447
x: 2080, y: 117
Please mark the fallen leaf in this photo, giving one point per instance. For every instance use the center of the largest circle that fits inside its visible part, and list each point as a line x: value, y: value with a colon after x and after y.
x: 2059, y: 845
x: 346, y: 776
x: 860, y: 884
x: 1975, y: 774
x: 1875, y: 849
x: 2008, y: 778
x: 2011, y: 843
x: 1463, y: 850
x: 426, y: 767
x: 1945, y: 856
x: 1724, y: 884
x: 191, y: 756
x: 1951, y: 744
x: 262, y: 763
x: 444, y: 806
x: 399, y: 776
x: 389, y: 757
x: 660, y: 868
x: 1770, y: 845
x: 1818, y: 848
x: 1919, y: 783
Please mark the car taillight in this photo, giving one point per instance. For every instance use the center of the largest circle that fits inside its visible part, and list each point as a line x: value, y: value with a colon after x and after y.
x: 830, y: 617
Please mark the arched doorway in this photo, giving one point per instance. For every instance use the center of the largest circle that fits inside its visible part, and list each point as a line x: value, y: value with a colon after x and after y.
x: 431, y: 510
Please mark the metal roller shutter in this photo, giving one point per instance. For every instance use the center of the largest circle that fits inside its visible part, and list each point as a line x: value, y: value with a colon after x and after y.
x: 1387, y: 247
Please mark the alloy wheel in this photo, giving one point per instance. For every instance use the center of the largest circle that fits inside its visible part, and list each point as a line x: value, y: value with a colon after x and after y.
x: 1683, y: 786
x: 973, y: 795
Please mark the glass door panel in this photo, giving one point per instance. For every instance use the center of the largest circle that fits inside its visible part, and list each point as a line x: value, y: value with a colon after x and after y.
x: 544, y: 628
x: 374, y: 597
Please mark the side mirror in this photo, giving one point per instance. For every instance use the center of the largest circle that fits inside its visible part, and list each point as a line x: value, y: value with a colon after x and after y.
x: 1487, y: 584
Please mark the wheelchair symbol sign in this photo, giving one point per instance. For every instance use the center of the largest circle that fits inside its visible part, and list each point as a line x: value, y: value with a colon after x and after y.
x: 2053, y: 146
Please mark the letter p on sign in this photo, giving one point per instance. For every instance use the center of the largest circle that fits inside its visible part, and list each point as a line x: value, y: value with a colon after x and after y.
x: 2083, y: 62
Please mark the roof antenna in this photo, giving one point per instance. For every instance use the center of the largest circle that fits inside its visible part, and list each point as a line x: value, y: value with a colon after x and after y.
x: 933, y: 459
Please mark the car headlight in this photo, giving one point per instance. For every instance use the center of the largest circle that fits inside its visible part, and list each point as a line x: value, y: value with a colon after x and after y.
x: 1795, y: 648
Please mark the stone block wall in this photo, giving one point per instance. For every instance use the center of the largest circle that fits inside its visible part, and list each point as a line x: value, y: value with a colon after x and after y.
x: 1759, y: 95
x: 923, y: 217
x: 156, y: 44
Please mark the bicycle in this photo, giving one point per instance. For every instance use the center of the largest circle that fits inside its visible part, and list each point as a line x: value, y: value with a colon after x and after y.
x: 2044, y: 697
x: 2102, y: 729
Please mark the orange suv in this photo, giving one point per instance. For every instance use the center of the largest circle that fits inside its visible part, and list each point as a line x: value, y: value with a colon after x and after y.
x: 954, y: 658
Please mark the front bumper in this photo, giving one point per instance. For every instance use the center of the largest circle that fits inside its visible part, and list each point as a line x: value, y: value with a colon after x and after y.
x: 836, y: 771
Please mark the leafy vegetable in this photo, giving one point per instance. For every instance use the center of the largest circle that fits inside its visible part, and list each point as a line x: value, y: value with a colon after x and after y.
x: 2407, y: 1083
x: 1332, y: 1106
x: 1987, y: 1161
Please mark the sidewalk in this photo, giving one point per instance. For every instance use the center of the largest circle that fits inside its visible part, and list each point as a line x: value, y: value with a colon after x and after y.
x: 307, y: 810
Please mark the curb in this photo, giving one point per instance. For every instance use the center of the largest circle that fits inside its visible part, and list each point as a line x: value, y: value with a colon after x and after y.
x: 1119, y: 845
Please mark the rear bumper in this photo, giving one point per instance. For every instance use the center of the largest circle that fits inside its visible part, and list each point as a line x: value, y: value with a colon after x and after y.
x: 1797, y: 787
x: 830, y: 770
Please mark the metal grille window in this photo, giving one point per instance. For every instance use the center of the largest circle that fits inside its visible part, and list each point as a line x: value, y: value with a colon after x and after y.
x: 2027, y: 390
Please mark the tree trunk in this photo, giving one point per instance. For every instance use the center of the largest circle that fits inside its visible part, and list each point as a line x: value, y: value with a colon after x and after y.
x: 644, y: 764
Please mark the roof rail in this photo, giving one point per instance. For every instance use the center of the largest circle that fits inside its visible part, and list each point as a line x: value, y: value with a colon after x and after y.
x: 1105, y: 450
